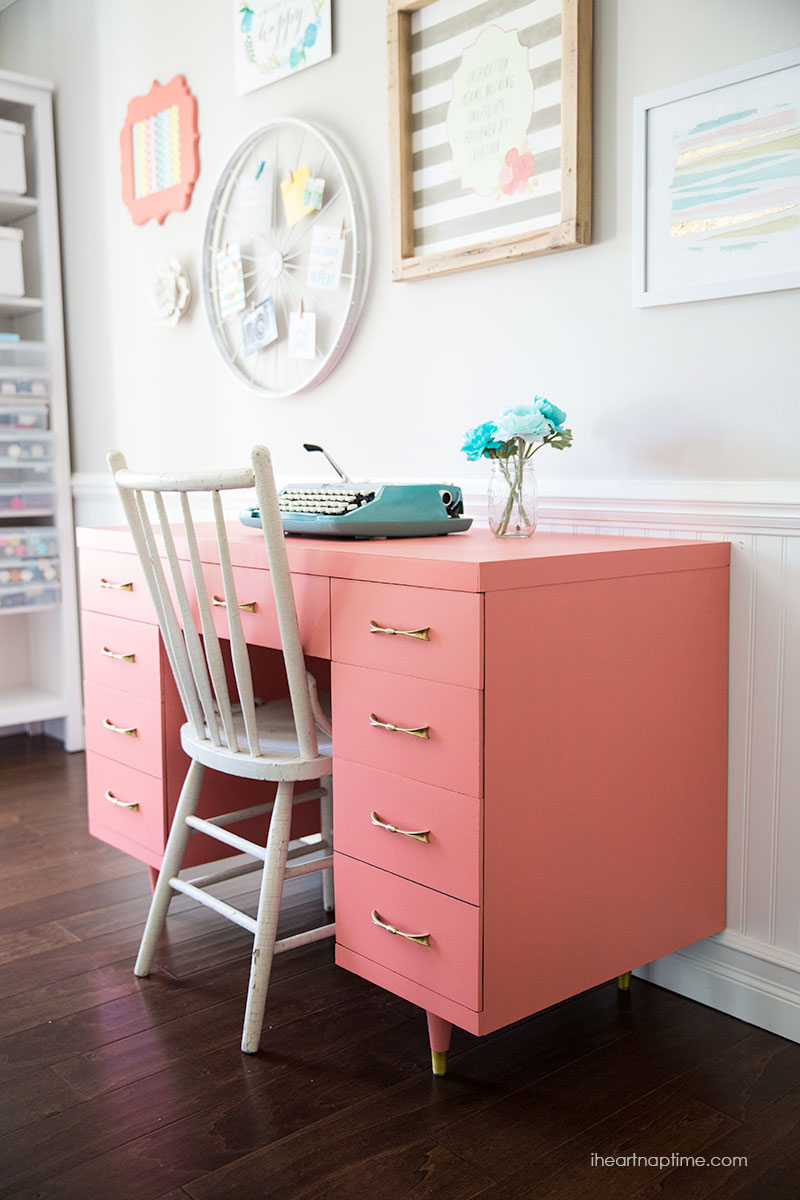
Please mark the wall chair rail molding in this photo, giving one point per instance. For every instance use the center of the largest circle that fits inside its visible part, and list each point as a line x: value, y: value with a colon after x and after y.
x: 752, y: 970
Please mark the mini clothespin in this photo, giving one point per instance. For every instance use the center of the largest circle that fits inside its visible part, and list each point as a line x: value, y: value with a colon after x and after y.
x: 301, y: 306
x: 341, y: 230
x: 260, y: 168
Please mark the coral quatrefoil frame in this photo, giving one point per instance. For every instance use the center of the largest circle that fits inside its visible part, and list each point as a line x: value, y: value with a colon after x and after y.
x: 159, y: 151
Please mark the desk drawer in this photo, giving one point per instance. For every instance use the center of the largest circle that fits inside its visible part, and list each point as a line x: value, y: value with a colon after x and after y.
x: 260, y: 627
x: 122, y: 654
x: 449, y: 860
x: 109, y: 713
x: 451, y: 756
x: 114, y: 583
x: 451, y: 650
x: 125, y: 803
x: 449, y: 965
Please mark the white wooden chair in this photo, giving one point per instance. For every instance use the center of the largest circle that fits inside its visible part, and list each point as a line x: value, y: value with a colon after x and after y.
x: 282, y: 740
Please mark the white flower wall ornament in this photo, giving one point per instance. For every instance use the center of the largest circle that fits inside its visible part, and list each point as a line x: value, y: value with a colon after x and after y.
x: 169, y: 293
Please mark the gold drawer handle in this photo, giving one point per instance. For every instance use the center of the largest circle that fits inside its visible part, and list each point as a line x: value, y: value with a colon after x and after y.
x: 218, y: 602
x: 421, y: 939
x: 424, y: 635
x: 422, y: 732
x: 122, y: 657
x: 125, y: 587
x: 134, y: 807
x: 118, y: 728
x: 419, y: 835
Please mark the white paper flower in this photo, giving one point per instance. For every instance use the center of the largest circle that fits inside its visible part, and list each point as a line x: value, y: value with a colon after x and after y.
x: 169, y: 293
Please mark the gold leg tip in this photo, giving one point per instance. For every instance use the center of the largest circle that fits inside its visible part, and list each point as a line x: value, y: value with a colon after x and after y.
x: 439, y: 1062
x: 624, y: 981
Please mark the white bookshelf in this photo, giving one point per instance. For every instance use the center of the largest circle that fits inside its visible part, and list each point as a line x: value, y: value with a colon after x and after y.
x: 39, y: 632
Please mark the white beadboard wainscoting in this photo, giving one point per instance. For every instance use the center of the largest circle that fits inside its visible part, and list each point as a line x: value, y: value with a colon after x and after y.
x: 752, y: 970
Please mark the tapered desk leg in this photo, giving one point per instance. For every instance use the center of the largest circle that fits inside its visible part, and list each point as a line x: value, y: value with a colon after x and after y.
x: 153, y: 872
x: 624, y: 981
x: 439, y: 1032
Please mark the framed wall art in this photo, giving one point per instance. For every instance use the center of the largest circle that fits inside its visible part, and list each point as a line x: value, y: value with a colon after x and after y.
x: 490, y: 131
x: 158, y: 144
x: 276, y: 38
x: 717, y: 185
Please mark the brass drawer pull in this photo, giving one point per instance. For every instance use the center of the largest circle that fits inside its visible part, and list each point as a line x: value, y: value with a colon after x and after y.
x: 424, y: 635
x: 422, y: 732
x: 134, y: 807
x: 122, y: 657
x: 419, y: 835
x: 421, y: 939
x: 125, y: 587
x: 218, y: 602
x: 133, y: 732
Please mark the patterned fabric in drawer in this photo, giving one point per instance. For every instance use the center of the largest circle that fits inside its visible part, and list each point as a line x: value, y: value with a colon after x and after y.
x: 124, y: 803
x: 124, y: 726
x: 114, y: 583
x: 424, y: 632
x: 446, y: 750
x: 121, y: 653
x: 449, y: 964
x: 375, y: 814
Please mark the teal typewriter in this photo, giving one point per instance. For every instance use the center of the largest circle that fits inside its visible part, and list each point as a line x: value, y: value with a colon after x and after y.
x: 348, y: 508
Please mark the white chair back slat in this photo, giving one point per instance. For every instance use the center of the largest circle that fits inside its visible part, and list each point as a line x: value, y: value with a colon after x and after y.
x: 170, y: 629
x: 194, y: 648
x: 281, y: 581
x: 239, y: 655
x: 213, y: 649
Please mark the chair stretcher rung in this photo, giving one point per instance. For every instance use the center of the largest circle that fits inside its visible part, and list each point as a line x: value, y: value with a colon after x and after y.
x: 225, y: 835
x: 320, y: 864
x: 303, y: 939
x: 243, y: 814
x: 228, y: 873
x: 219, y: 906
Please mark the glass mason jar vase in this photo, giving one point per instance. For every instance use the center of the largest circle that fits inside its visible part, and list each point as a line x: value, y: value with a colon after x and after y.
x: 512, y: 497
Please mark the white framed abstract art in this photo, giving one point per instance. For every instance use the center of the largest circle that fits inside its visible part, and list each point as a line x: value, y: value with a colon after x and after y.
x: 276, y: 38
x: 717, y: 185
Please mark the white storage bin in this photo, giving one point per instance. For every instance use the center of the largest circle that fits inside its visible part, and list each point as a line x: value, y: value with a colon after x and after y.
x: 11, y: 280
x: 26, y: 446
x: 24, y: 474
x: 17, y: 501
x: 24, y: 572
x: 35, y: 595
x: 27, y: 541
x: 12, y: 158
x: 28, y: 417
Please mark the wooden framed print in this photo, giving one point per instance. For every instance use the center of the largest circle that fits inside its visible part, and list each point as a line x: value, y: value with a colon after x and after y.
x: 490, y: 131
x: 159, y: 151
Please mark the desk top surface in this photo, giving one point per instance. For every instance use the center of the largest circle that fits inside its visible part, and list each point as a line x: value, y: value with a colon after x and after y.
x: 474, y: 561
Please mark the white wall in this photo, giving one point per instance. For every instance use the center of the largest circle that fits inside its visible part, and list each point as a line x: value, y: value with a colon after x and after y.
x: 685, y: 417
x: 685, y: 393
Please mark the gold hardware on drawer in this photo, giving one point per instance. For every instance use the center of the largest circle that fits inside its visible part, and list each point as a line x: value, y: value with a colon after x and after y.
x: 118, y: 728
x: 218, y: 602
x: 421, y: 939
x: 419, y: 835
x: 424, y: 635
x: 122, y: 657
x: 133, y: 807
x: 125, y: 587
x: 422, y: 732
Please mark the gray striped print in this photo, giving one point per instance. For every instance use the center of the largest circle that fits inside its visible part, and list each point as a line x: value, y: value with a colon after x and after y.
x: 534, y: 35
x: 548, y: 160
x: 484, y: 14
x: 545, y: 118
x: 524, y: 210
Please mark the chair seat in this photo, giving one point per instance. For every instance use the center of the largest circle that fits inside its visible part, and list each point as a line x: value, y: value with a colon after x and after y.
x: 277, y: 739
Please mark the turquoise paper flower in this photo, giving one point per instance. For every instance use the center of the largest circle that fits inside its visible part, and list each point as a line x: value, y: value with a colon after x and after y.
x: 556, y: 416
x: 480, y: 439
x: 523, y: 420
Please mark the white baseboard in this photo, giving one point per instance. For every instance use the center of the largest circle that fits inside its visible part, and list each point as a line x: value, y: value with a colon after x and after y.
x: 745, y: 978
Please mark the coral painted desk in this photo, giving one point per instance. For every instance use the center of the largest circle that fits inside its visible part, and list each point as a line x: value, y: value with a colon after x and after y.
x: 546, y: 717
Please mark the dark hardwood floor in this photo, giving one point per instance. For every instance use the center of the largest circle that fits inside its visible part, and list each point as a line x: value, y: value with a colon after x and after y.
x: 113, y: 1087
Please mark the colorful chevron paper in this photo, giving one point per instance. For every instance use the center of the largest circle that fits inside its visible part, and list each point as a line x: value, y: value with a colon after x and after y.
x: 157, y: 152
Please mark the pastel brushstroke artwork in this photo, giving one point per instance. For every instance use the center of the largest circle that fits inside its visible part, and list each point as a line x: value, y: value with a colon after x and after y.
x: 736, y: 180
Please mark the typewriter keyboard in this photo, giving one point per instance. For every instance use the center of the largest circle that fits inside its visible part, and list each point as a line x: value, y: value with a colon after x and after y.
x: 323, y: 501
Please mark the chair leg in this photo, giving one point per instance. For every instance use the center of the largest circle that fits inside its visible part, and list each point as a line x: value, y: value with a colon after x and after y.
x: 326, y: 829
x: 173, y: 857
x: 267, y: 921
